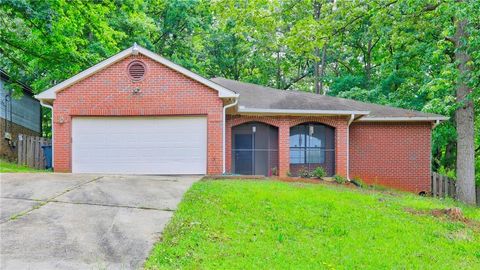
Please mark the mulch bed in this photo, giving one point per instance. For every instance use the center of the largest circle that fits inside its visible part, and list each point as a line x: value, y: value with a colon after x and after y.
x: 276, y: 178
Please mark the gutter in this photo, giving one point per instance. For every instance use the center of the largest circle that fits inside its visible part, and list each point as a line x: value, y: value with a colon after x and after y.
x: 404, y: 119
x: 53, y: 133
x: 352, y: 118
x: 223, y: 131
x: 244, y: 110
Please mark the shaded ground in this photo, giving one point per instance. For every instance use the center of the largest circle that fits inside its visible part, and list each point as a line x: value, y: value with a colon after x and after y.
x: 9, y: 167
x: 73, y: 221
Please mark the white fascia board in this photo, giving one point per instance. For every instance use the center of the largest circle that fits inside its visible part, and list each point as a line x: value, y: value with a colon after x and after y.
x: 404, y: 119
x: 50, y: 94
x: 244, y: 110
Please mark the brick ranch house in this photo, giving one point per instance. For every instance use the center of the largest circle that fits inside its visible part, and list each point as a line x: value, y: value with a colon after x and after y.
x: 138, y: 113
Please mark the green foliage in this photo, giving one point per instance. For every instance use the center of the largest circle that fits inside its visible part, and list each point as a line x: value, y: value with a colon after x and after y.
x: 9, y: 167
x: 274, y: 171
x: 447, y: 172
x: 227, y: 224
x: 319, y: 172
x: 339, y: 179
x: 346, y: 83
x: 304, y: 172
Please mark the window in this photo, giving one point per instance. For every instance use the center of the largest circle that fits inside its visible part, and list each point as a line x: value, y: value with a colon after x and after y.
x: 307, y: 144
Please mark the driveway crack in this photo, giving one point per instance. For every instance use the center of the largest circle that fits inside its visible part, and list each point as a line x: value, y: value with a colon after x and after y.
x: 46, y: 201
x: 118, y: 206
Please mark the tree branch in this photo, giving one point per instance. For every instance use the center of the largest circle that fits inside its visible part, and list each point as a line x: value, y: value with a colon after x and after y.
x: 451, y: 39
x: 297, y: 79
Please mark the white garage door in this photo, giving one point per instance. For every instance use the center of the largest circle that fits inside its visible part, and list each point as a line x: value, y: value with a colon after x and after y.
x: 139, y: 145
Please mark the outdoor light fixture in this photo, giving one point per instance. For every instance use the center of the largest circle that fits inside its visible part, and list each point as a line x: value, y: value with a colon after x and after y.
x: 136, y: 90
x: 311, y: 129
x: 254, y: 129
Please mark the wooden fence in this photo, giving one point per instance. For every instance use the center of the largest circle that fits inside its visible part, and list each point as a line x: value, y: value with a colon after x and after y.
x: 442, y: 186
x: 30, y: 152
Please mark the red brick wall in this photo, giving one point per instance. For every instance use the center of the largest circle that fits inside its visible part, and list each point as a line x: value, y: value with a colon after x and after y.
x: 284, y: 123
x: 163, y: 92
x: 391, y: 154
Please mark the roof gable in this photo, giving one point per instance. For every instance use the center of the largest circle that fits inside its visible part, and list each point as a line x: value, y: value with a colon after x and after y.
x: 50, y: 94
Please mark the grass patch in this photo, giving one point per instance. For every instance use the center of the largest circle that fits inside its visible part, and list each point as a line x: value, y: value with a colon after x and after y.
x: 275, y: 225
x: 8, y: 167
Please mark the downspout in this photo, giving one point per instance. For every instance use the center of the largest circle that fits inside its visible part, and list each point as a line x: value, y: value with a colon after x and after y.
x: 437, y: 122
x: 224, y: 131
x: 352, y: 117
x: 53, y: 142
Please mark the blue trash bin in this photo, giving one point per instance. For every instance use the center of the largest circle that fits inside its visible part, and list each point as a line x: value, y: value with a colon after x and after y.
x: 47, y: 153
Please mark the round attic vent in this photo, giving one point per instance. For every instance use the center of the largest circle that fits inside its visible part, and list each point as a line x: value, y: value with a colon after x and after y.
x: 136, y: 70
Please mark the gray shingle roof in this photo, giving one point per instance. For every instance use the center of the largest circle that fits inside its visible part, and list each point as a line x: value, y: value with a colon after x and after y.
x: 261, y: 97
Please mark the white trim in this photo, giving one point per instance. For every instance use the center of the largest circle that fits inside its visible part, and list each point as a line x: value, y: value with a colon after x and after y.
x: 301, y: 112
x: 224, y: 132
x: 53, y: 133
x: 352, y: 118
x: 50, y: 94
x: 403, y: 119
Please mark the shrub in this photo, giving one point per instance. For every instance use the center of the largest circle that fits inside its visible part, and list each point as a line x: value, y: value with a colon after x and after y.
x: 274, y: 171
x: 339, y: 179
x: 319, y: 172
x: 289, y: 174
x: 304, y: 173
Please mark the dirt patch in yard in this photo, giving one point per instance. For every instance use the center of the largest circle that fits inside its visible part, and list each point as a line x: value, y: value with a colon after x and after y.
x: 450, y: 214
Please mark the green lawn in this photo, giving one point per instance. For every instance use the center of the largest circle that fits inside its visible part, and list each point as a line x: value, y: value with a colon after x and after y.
x: 275, y: 225
x: 8, y: 167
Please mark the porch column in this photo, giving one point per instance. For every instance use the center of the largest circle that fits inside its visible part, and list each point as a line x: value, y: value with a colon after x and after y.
x: 341, y: 149
x: 283, y: 149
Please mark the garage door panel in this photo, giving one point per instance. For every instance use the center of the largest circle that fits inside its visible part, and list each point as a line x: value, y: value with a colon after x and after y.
x: 153, y: 145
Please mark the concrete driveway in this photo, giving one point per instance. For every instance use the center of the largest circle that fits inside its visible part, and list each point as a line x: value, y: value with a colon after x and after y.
x: 78, y: 221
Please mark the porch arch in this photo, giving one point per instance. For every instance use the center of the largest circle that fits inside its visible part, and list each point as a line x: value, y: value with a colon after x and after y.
x: 312, y: 145
x: 254, y: 148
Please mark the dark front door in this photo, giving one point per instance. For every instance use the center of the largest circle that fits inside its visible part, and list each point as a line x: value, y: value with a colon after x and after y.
x: 243, y: 154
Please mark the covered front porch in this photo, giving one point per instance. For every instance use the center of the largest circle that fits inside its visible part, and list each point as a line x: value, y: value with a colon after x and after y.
x: 286, y: 145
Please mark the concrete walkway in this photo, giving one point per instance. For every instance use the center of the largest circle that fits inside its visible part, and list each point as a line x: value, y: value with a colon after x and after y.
x: 75, y: 221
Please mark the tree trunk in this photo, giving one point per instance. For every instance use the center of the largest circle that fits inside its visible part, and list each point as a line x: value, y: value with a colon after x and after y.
x: 368, y: 62
x: 316, y: 70
x: 464, y: 117
x: 279, y: 72
x: 322, y: 69
x: 316, y: 73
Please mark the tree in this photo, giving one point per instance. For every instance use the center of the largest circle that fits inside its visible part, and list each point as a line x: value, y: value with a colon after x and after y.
x: 465, y: 114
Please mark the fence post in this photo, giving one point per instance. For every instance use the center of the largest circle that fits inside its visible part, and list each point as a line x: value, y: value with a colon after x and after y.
x: 478, y: 195
x: 451, y: 187
x: 19, y: 149
x: 445, y: 182
x: 30, y: 152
